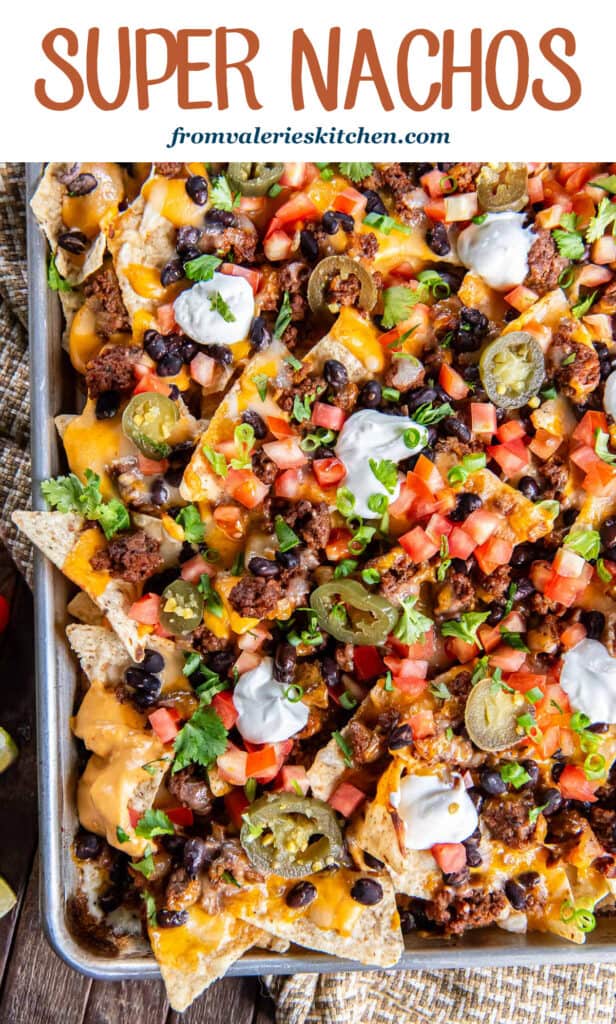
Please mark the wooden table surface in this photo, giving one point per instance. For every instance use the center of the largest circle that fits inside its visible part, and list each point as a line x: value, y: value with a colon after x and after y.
x: 36, y: 987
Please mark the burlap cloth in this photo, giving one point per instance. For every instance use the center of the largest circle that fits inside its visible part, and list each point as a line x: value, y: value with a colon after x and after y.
x: 518, y: 995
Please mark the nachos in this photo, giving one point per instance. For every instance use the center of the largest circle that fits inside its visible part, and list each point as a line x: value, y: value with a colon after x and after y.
x: 340, y: 509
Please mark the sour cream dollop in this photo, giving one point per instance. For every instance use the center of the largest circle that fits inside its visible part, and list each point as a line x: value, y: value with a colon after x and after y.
x: 369, y: 434
x: 196, y: 313
x: 588, y: 677
x: 265, y: 714
x: 434, y: 810
x: 497, y: 249
x: 609, y: 395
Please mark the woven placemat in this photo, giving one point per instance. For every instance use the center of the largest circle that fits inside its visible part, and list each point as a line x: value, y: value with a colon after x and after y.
x: 517, y: 995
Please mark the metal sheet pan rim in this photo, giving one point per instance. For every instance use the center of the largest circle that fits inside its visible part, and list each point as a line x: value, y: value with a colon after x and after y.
x: 484, y: 948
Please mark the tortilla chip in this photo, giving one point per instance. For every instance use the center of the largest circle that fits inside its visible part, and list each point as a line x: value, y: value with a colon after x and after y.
x: 85, y: 610
x: 46, y: 205
x: 330, y: 348
x: 57, y: 535
x: 140, y: 236
x: 194, y: 955
x: 102, y: 655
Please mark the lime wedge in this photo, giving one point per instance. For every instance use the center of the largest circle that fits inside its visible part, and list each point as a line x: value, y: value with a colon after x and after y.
x: 8, y: 899
x: 8, y: 749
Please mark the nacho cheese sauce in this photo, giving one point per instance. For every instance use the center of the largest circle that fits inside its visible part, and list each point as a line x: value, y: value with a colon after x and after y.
x: 195, y: 315
x: 588, y: 677
x: 497, y: 249
x: 434, y: 811
x: 265, y: 714
x: 366, y: 435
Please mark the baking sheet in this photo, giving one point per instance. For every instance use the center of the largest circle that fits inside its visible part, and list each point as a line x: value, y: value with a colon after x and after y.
x: 51, y: 392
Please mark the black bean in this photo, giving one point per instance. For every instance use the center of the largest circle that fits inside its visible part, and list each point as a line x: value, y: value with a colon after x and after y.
x: 594, y: 623
x: 221, y: 353
x: 335, y: 374
x: 516, y: 894
x: 608, y: 533
x: 465, y: 504
x: 190, y: 253
x: 197, y: 188
x: 220, y: 661
x: 346, y: 222
x: 523, y: 554
x: 456, y: 878
x: 187, y: 238
x: 259, y: 334
x: 496, y: 613
x: 146, y: 682
x: 421, y: 169
x: 599, y: 727
x: 407, y: 922
x: 110, y: 900
x: 252, y: 419
x: 219, y: 218
x: 170, y: 365
x: 288, y: 559
x: 473, y: 856
x: 309, y: 247
x: 491, y: 782
x: 524, y: 588
x: 82, y: 185
x: 367, y: 891
x: 73, y: 241
x: 529, y: 879
x: 301, y: 895
x: 549, y: 797
x: 107, y: 405
x: 172, y: 271
x: 330, y: 222
x: 330, y: 671
x: 174, y: 475
x: 88, y: 846
x: 174, y: 845
x: 374, y: 203
x: 476, y: 796
x: 475, y: 320
x: 189, y: 351
x: 158, y: 492
x: 284, y: 662
x: 152, y: 661
x: 373, y: 862
x: 171, y: 918
x: 401, y: 736
x: 532, y: 769
x: 438, y: 240
x: 154, y: 344
x: 423, y: 396
x: 604, y: 865
x: 194, y: 856
x: 370, y: 395
x: 529, y: 488
x: 557, y: 770
x: 265, y: 567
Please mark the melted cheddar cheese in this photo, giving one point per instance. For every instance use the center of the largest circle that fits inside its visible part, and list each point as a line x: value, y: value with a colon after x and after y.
x: 77, y: 564
x: 94, y: 212
x: 93, y: 444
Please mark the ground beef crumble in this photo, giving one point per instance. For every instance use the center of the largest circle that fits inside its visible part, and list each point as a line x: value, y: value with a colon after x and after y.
x: 507, y: 819
x: 206, y: 642
x: 255, y: 597
x: 132, y: 557
x: 190, y: 787
x: 112, y: 370
x: 473, y: 909
x: 103, y: 296
x: 310, y: 521
x: 545, y: 265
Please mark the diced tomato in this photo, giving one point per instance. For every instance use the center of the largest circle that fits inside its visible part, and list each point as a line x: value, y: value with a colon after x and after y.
x: 450, y: 857
x: 291, y: 778
x: 329, y: 472
x: 337, y: 546
x: 549, y: 742
x: 346, y: 798
x: 279, y: 428
x: 254, y: 639
x: 573, y: 634
x: 426, y: 471
x: 236, y: 803
x: 587, y: 427
x: 407, y: 668
x: 462, y: 206
x: 574, y: 785
x: 247, y: 661
x: 230, y: 519
x: 278, y: 246
x: 298, y: 208
x: 281, y: 752
x: 367, y: 662
x: 145, y: 610
x: 521, y: 298
x: 433, y: 181
x: 151, y: 467
x: 418, y: 544
x: 232, y: 765
x: 252, y: 276
x: 251, y: 204
x: 438, y: 527
x: 162, y: 632
x: 225, y: 708
x: 592, y: 276
x: 507, y: 659
x: 328, y: 416
x: 435, y: 209
x: 293, y: 176
x: 165, y: 316
x: 194, y: 568
x: 512, y: 430
x: 202, y: 369
x: 460, y: 650
x: 401, y: 507
x: 549, y: 218
x: 460, y: 544
x: 600, y: 481
x: 490, y: 637
x: 535, y: 190
x: 286, y: 453
x: 413, y: 686
x: 150, y: 382
x: 578, y: 178
x: 422, y: 724
x: 164, y: 722
x: 544, y: 444
x: 452, y: 382
x: 525, y: 681
x: 568, y: 563
x: 245, y: 487
x: 423, y: 650
x: 511, y: 462
x: 350, y: 201
x: 182, y: 816
x: 599, y: 325
x: 260, y: 761
x: 562, y: 590
x: 584, y: 457
x: 496, y: 551
x: 604, y: 250
x: 288, y: 484
x: 134, y: 816
x: 483, y: 418
x: 5, y: 613
x: 480, y: 525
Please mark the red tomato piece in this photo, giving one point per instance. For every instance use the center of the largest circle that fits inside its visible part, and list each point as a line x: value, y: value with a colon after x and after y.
x: 329, y: 472
x: 247, y: 661
x: 587, y: 427
x: 584, y: 457
x: 483, y: 418
x: 182, y: 816
x: 600, y: 480
x: 368, y: 662
x: 278, y: 246
x: 202, y: 369
x: 298, y: 208
x: 435, y: 209
x: 450, y: 857
x: 252, y: 276
x: 535, y: 190
x: 422, y: 724
x: 225, y: 708
x: 418, y: 544
x: 261, y: 760
x: 350, y: 201
x: 232, y: 765
x: 493, y: 553
x: 145, y: 610
x: 151, y: 467
x: 293, y: 176
x: 574, y: 785
x: 452, y: 382
x: 521, y: 298
x: 164, y: 722
x: 230, y: 519
x: 165, y: 316
x: 291, y: 777
x: 286, y: 453
x: 346, y: 798
x: 428, y: 474
x: 544, y: 443
x: 507, y: 659
x: 288, y: 484
x: 337, y: 546
x: 282, y: 751
x: 438, y: 527
x: 236, y: 803
x: 433, y: 181
x: 279, y: 428
x: 245, y: 487
x: 411, y: 685
x: 508, y: 460
x: 460, y: 650
x: 150, y: 382
x: 510, y: 431
x: 328, y: 416
x: 480, y: 525
x: 194, y: 568
x: 460, y: 544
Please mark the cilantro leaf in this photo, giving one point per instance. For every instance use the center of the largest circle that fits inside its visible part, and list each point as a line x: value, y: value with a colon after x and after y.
x: 56, y: 282
x: 606, y: 215
x: 513, y: 640
x: 581, y: 308
x: 465, y: 628
x: 218, y: 305
x: 213, y: 601
x: 570, y: 244
x: 221, y: 195
x: 122, y: 834
x: 287, y: 539
x: 68, y: 494
x: 216, y: 460
x: 62, y: 493
x: 412, y: 624
x: 190, y: 521
x: 260, y: 381
x: 200, y: 741
x: 150, y: 908
x: 345, y: 567
x: 586, y: 543
x: 113, y: 516
x: 202, y: 267
x: 607, y: 184
x: 285, y: 315
x: 398, y: 303
x: 426, y: 415
x: 356, y: 172
x: 145, y: 866
x: 153, y: 823
x: 386, y: 472
x: 440, y: 690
